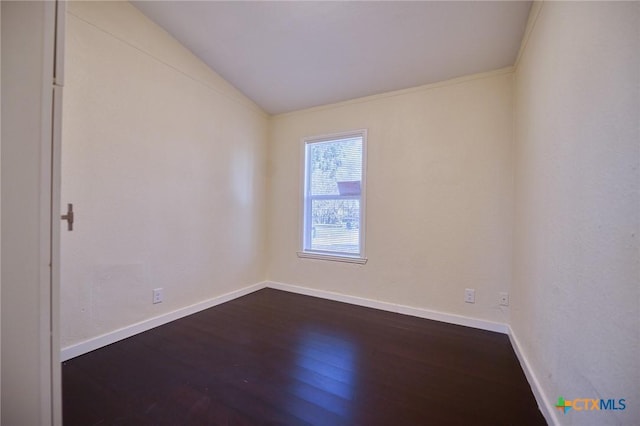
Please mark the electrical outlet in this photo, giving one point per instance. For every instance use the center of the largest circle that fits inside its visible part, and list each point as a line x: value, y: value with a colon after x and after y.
x: 504, y: 298
x: 157, y: 295
x: 470, y: 295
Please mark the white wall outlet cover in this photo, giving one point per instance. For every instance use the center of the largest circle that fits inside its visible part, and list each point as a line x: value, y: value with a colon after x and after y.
x: 470, y: 295
x: 157, y: 295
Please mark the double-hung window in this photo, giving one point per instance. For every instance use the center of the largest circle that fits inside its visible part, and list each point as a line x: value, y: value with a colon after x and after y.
x: 334, y: 204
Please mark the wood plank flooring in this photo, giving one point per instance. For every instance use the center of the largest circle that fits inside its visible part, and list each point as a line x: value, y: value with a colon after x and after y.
x: 277, y: 358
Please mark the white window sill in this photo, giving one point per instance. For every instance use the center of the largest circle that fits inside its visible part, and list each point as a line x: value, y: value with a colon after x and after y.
x: 334, y: 258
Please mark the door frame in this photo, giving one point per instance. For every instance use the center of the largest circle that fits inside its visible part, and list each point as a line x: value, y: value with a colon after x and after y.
x: 54, y: 214
x: 53, y: 78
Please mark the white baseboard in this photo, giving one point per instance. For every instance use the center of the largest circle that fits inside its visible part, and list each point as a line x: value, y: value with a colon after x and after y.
x: 97, y: 342
x: 392, y: 307
x: 545, y: 404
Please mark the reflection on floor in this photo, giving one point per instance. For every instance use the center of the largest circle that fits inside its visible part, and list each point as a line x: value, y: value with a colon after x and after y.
x: 273, y: 357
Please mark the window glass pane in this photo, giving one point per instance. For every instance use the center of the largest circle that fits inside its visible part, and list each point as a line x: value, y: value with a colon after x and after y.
x: 336, y: 167
x: 335, y: 226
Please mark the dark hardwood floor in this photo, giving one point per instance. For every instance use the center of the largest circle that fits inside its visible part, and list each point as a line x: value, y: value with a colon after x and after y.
x: 279, y: 358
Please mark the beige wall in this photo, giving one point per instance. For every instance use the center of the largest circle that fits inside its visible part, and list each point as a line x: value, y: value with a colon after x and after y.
x: 576, y: 292
x: 165, y: 164
x: 27, y: 62
x: 439, y: 196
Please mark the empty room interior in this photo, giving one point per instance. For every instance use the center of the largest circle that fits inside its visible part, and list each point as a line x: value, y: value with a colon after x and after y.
x: 326, y: 213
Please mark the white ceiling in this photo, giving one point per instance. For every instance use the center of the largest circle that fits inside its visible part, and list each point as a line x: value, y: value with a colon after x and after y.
x: 292, y: 55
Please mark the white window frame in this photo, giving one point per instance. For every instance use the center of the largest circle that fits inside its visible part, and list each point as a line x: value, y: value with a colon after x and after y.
x: 305, y: 228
